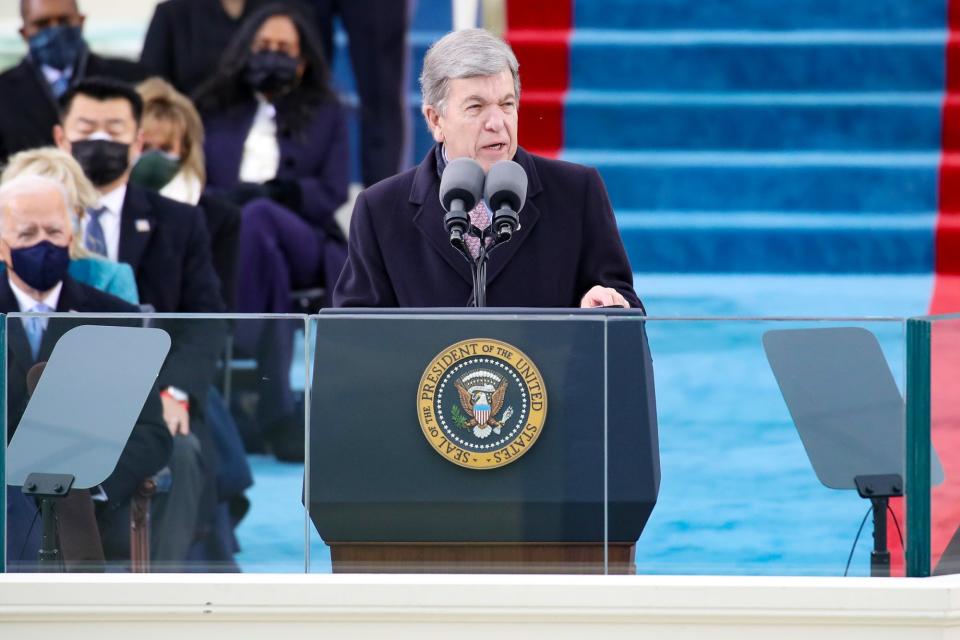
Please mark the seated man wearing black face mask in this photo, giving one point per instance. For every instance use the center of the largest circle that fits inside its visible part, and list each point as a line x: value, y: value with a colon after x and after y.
x: 165, y: 242
x: 58, y: 57
x: 35, y: 235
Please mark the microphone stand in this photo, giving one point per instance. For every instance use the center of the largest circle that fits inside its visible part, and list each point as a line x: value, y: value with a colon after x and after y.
x: 479, y: 264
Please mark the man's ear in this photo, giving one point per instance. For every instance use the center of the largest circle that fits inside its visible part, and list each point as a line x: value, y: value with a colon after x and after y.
x: 432, y: 116
x: 60, y: 138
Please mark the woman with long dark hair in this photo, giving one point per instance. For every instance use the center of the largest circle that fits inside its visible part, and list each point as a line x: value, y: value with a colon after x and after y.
x: 276, y: 144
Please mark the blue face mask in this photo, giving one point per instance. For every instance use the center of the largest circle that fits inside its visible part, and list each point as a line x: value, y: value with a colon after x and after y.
x: 41, y: 266
x: 57, y: 47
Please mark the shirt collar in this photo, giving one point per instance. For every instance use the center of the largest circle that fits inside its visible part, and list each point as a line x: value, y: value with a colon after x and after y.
x: 113, y: 201
x: 26, y: 302
x: 441, y: 154
x: 52, y: 75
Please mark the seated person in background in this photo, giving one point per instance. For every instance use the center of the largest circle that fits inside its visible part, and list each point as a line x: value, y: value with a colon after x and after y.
x: 173, y: 164
x: 167, y: 245
x: 58, y: 57
x: 114, y: 278
x: 276, y: 143
x: 186, y: 38
x: 35, y: 235
x: 400, y: 253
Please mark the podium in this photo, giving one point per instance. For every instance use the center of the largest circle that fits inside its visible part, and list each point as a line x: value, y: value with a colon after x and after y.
x: 494, y: 440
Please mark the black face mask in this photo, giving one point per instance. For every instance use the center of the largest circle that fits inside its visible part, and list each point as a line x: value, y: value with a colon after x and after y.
x: 103, y: 161
x: 271, y: 72
x: 41, y: 266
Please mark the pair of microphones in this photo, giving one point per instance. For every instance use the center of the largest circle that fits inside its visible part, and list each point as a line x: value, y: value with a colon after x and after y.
x: 462, y: 185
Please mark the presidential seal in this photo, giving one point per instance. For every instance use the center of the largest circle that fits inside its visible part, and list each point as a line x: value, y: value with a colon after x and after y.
x: 481, y: 403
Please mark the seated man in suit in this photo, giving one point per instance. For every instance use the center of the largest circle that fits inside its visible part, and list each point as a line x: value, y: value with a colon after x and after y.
x: 58, y: 57
x: 566, y: 252
x: 35, y: 235
x: 167, y: 245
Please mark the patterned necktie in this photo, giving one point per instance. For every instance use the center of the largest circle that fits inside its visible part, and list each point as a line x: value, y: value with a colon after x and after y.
x: 94, y: 239
x: 480, y: 218
x: 35, y: 326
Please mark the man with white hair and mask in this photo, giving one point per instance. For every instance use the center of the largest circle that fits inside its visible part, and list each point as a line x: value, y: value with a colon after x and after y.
x: 566, y: 252
x: 35, y: 234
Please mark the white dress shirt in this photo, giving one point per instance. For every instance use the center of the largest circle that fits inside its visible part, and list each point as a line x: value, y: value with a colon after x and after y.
x: 261, y: 151
x: 110, y: 220
x: 26, y: 302
x: 52, y: 75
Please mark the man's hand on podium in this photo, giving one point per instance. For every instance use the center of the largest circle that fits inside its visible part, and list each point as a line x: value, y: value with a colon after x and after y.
x: 603, y: 297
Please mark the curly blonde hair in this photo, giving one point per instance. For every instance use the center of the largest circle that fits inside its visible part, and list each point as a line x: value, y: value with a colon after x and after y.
x: 58, y: 165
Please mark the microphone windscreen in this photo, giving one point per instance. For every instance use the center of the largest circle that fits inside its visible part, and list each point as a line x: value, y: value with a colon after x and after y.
x: 33, y: 376
x: 506, y: 184
x: 462, y: 179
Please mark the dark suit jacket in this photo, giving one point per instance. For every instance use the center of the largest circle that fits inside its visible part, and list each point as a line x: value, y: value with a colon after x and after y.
x: 315, y: 157
x: 223, y: 222
x: 28, y: 110
x: 186, y: 39
x: 167, y: 245
x: 400, y: 254
x: 150, y: 444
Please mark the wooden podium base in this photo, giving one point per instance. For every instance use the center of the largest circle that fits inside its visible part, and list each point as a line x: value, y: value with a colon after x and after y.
x: 481, y: 558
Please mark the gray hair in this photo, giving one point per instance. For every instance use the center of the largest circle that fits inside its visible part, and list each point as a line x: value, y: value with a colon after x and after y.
x: 468, y: 53
x: 29, y: 183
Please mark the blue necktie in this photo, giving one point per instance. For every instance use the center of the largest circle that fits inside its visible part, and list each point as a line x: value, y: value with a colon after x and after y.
x: 94, y: 239
x: 35, y: 326
x: 60, y: 86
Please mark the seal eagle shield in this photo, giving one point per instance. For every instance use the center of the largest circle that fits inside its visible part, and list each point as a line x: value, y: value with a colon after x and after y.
x: 482, y: 403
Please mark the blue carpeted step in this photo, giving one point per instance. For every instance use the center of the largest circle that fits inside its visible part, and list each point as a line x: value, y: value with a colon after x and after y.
x: 787, y: 182
x: 760, y: 14
x: 807, y: 61
x: 610, y: 120
x: 769, y: 242
x: 437, y: 15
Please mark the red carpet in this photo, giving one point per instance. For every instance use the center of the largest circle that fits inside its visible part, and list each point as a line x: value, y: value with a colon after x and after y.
x: 539, y: 32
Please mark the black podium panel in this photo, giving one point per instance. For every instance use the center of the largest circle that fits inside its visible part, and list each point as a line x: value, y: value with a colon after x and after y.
x: 374, y: 477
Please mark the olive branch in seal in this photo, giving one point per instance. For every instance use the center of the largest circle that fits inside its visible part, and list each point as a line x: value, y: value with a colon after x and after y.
x: 458, y: 418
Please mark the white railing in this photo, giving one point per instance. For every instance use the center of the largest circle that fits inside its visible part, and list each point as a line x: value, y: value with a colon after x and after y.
x: 424, y: 607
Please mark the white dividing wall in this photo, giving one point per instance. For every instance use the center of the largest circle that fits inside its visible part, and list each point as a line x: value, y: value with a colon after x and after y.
x: 466, y: 607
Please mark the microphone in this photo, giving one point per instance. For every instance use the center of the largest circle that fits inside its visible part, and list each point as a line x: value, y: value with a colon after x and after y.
x: 506, y: 191
x: 461, y: 185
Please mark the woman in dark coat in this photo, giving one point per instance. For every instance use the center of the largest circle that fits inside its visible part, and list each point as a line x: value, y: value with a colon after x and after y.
x: 276, y: 144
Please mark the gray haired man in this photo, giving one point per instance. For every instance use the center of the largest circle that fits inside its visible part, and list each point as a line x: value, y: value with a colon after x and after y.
x: 567, y: 251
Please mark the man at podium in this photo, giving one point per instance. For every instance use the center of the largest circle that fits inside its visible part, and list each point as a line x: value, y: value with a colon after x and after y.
x: 566, y: 251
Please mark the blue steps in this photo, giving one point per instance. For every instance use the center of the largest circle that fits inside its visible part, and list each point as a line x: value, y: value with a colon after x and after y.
x: 761, y: 14
x: 895, y: 183
x: 750, y: 136
x: 771, y: 242
x: 751, y: 61
x: 761, y: 121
